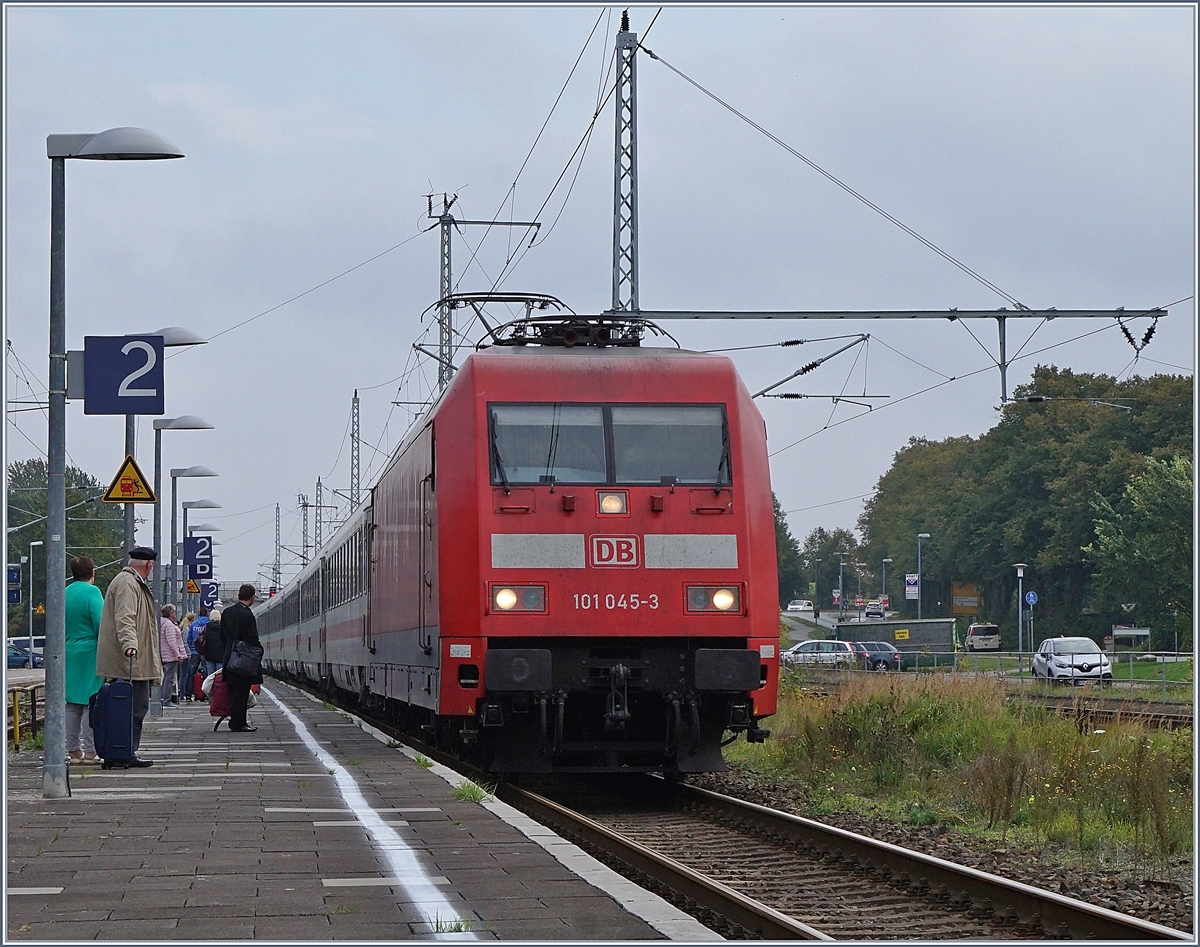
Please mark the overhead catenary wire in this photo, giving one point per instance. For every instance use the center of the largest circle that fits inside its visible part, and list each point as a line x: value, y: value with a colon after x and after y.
x: 984, y: 281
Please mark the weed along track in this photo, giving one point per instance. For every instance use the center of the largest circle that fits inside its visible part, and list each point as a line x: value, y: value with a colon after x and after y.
x: 842, y: 885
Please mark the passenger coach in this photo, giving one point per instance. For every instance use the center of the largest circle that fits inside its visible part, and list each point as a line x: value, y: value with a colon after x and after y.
x: 568, y: 564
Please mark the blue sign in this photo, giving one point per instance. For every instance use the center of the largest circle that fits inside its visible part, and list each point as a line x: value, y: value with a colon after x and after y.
x: 14, y: 595
x: 123, y: 374
x: 14, y: 575
x: 197, y: 556
x: 208, y: 595
x: 1031, y: 597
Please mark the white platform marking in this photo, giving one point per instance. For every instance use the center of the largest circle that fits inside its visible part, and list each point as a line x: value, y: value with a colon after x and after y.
x: 35, y: 890
x: 373, y: 882
x: 400, y: 856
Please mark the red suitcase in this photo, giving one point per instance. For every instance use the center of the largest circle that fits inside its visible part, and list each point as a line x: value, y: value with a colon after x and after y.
x: 219, y: 704
x: 198, y: 686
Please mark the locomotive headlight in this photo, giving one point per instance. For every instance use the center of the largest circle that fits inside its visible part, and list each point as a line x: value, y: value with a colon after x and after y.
x: 724, y: 599
x: 714, y: 598
x: 613, y: 502
x: 519, y: 598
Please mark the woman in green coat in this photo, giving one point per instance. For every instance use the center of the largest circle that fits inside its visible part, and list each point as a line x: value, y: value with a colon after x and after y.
x: 84, y: 605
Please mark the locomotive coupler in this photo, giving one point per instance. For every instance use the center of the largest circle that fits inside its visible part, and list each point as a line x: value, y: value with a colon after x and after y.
x: 740, y: 717
x: 618, y: 698
x: 492, y: 714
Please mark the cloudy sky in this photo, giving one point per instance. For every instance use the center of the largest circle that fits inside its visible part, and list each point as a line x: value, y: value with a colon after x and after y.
x: 1050, y: 149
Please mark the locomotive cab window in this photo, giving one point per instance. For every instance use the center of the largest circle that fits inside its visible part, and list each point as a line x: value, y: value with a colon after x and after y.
x: 646, y: 444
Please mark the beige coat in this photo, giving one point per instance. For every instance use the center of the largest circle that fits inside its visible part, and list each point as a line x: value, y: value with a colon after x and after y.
x: 128, y: 621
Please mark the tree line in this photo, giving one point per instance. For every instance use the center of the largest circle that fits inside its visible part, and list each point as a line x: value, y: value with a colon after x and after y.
x: 1090, y: 484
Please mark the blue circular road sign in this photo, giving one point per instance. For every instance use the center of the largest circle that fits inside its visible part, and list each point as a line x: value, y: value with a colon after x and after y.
x: 1031, y: 597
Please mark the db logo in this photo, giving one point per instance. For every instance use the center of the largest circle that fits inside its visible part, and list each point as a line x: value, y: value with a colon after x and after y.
x: 614, y: 551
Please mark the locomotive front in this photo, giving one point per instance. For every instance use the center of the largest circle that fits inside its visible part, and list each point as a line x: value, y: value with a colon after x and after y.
x: 616, y: 554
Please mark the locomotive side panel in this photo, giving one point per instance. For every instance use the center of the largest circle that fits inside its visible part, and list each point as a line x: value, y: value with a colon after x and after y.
x: 404, y: 614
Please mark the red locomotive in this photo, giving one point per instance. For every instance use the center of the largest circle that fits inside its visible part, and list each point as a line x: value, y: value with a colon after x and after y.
x: 567, y: 565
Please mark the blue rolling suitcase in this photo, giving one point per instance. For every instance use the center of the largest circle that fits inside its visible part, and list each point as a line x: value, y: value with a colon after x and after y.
x: 111, y: 714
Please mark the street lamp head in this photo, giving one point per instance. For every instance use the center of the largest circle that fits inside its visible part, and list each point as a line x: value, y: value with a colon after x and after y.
x: 115, y: 144
x: 887, y: 560
x: 188, y: 422
x: 196, y: 471
x: 201, y: 505
x: 176, y: 336
x: 922, y: 535
x: 204, y: 528
x: 1020, y: 567
x: 36, y: 542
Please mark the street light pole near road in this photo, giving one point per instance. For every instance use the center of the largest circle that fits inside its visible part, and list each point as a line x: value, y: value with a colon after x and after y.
x: 35, y: 542
x: 1020, y: 567
x: 115, y: 144
x: 883, y: 596
x: 920, y: 536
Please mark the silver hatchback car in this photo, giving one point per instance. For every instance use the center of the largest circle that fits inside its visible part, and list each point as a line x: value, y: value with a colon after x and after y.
x: 1070, y: 660
x: 823, y: 653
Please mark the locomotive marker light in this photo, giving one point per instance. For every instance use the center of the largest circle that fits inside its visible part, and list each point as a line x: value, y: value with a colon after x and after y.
x: 519, y: 598
x: 614, y: 503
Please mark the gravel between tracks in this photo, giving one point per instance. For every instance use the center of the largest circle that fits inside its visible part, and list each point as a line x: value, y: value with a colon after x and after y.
x: 1117, y: 887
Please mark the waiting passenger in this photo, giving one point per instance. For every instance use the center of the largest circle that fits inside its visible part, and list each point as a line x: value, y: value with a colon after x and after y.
x: 84, y: 606
x: 214, y: 643
x: 239, y: 625
x: 173, y: 652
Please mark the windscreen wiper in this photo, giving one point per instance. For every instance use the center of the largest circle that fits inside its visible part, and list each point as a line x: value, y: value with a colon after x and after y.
x: 496, y: 456
x: 724, y: 464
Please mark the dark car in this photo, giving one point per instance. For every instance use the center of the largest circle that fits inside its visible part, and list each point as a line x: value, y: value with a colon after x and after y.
x: 19, y: 658
x: 878, y: 656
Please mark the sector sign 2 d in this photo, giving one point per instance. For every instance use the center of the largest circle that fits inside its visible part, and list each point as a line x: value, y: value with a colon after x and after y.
x: 123, y: 374
x: 198, y: 557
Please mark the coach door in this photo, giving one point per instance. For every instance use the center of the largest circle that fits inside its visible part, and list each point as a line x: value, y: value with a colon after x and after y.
x: 425, y: 609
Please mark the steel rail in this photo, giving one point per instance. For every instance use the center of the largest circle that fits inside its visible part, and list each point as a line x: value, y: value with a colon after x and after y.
x: 1059, y: 915
x: 762, y: 920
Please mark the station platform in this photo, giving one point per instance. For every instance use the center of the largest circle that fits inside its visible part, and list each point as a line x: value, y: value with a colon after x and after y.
x: 314, y: 827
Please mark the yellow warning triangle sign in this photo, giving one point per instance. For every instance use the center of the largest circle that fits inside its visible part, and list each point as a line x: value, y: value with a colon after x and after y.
x: 40, y: 610
x: 193, y: 587
x: 129, y: 485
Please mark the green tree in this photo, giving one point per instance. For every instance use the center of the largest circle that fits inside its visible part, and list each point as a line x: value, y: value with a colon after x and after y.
x: 820, y: 554
x: 792, y: 580
x: 93, y: 528
x: 1142, y: 554
x: 1026, y: 492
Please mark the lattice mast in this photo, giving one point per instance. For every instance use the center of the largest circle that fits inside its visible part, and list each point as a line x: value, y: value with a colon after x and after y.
x: 625, y: 199
x: 276, y: 573
x: 355, y: 493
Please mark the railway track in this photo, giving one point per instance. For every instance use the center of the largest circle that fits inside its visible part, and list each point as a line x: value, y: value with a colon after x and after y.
x: 1101, y: 710
x: 750, y: 872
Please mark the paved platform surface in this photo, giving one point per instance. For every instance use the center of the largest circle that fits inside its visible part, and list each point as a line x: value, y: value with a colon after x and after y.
x: 314, y: 827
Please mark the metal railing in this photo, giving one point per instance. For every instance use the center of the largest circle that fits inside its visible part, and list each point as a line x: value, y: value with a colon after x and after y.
x: 27, y: 707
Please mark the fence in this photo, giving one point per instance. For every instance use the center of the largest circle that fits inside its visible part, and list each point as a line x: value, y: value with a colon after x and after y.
x: 23, y: 710
x: 1137, y: 672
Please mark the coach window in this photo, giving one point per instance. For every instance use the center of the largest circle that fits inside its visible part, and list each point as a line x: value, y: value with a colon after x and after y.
x: 670, y: 443
x: 547, y: 443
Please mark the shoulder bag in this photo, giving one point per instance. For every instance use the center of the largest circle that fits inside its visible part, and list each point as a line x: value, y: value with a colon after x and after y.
x: 245, y: 659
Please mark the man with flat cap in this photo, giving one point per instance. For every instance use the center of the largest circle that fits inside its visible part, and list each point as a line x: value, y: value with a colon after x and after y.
x: 128, y: 630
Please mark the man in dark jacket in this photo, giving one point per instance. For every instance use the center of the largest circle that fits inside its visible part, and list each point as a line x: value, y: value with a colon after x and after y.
x: 238, y: 624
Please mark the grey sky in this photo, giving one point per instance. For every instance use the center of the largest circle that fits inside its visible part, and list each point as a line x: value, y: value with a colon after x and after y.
x: 1051, y: 149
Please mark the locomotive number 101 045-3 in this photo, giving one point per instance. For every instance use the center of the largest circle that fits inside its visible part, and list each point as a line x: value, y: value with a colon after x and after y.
x: 613, y: 600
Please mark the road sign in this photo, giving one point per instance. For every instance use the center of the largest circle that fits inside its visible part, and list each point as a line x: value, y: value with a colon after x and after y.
x: 192, y: 588
x: 129, y: 485
x: 1032, y: 598
x: 14, y: 575
x: 836, y: 596
x: 885, y: 601
x: 858, y: 601
x: 197, y: 556
x: 123, y: 374
x: 912, y: 586
x: 208, y: 594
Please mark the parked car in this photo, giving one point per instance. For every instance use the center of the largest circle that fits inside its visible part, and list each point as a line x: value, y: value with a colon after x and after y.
x: 981, y: 637
x: 800, y: 605
x: 875, y: 610
x: 1071, y: 659
x: 826, y: 653
x: 19, y: 658
x: 881, y: 656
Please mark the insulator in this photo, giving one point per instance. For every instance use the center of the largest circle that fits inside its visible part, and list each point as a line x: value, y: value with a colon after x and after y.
x: 791, y: 342
x: 809, y: 367
x: 1149, y: 333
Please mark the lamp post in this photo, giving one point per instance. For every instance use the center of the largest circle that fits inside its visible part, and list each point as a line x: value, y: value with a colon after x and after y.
x: 884, y: 597
x: 920, y: 536
x: 115, y: 144
x: 188, y: 422
x: 35, y: 542
x: 1020, y: 567
x: 176, y: 473
x: 195, y: 505
x: 841, y: 586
